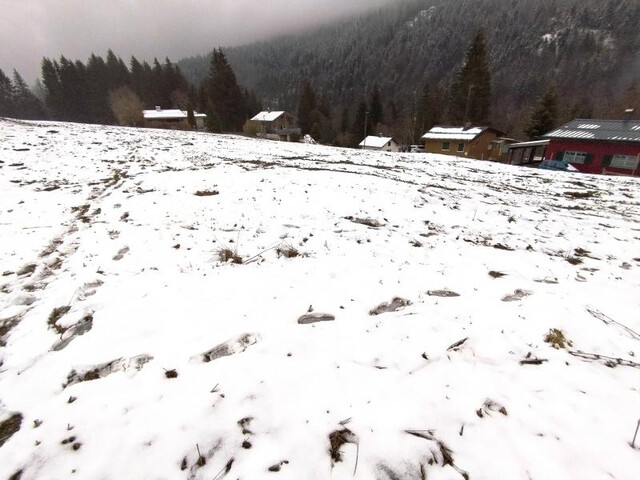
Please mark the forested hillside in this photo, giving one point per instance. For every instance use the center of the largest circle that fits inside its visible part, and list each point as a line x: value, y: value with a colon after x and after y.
x: 589, y: 48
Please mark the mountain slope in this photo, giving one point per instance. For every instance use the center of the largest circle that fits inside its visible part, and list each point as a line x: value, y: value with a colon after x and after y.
x: 589, y: 48
x: 130, y: 350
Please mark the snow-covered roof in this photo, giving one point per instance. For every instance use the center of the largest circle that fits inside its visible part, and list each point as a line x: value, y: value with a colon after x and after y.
x: 453, y: 133
x: 375, y: 142
x: 602, y: 130
x: 267, y: 116
x: 170, y: 114
x: 163, y: 114
x: 534, y: 143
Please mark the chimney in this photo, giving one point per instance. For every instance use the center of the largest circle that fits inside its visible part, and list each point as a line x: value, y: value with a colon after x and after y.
x: 467, y: 126
x: 628, y: 115
x: 158, y: 108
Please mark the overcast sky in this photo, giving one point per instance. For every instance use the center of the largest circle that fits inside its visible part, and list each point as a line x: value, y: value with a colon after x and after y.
x: 31, y: 29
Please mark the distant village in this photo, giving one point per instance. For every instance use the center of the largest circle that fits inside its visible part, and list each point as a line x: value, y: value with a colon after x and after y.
x: 106, y: 91
x: 589, y: 146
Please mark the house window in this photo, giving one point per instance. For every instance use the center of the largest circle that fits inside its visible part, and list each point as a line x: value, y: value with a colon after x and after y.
x: 624, y: 161
x: 575, y: 157
x: 446, y: 145
x: 461, y: 147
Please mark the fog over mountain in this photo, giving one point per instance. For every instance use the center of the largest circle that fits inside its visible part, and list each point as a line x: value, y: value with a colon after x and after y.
x: 32, y: 29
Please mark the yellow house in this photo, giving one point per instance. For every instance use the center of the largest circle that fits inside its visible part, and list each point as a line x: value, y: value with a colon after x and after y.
x: 483, y: 143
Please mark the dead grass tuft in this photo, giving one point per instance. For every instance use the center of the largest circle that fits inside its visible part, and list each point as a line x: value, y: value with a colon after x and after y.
x: 9, y: 427
x: 227, y: 255
x: 495, y: 274
x: 369, y: 222
x: 55, y: 315
x: 337, y: 439
x: 557, y: 339
x: 206, y: 193
x: 287, y: 250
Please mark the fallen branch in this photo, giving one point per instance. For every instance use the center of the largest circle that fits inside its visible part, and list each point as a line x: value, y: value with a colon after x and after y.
x: 610, y: 362
x: 608, y: 321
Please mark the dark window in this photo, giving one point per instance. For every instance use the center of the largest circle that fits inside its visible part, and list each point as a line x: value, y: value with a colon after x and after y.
x: 461, y: 147
x: 446, y: 145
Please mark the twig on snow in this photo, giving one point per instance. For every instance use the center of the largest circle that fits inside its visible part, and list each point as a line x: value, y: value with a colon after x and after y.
x: 611, y: 362
x: 608, y: 320
x: 635, y: 435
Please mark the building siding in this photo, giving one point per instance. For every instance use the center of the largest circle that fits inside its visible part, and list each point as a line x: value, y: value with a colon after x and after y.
x: 479, y: 148
x: 598, y: 150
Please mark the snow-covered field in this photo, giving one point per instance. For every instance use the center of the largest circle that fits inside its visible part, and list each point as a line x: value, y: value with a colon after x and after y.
x: 129, y: 350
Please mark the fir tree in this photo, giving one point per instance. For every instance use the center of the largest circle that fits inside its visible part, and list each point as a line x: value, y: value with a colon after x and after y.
x: 306, y: 107
x: 471, y: 93
x: 6, y: 96
x: 545, y: 116
x: 376, y: 111
x: 358, y: 127
x: 226, y: 102
x: 25, y: 104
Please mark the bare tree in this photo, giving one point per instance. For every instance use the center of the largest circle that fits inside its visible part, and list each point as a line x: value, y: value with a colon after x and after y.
x: 126, y: 106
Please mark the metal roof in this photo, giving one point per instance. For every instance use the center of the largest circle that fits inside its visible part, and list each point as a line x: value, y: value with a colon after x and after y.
x: 375, y: 142
x: 453, y: 133
x: 267, y: 116
x: 534, y: 143
x: 599, y: 130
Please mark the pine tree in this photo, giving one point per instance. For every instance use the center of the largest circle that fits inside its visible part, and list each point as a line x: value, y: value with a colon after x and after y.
x: 25, y: 104
x: 358, y: 128
x: 377, y: 112
x: 545, y: 116
x: 226, y: 102
x: 471, y: 92
x: 6, y: 96
x: 53, y: 89
x: 306, y: 106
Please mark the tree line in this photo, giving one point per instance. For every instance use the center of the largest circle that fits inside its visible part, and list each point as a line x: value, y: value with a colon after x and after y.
x: 108, y: 91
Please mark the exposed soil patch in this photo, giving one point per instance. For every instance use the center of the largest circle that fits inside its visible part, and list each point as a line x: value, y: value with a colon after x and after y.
x: 518, y: 294
x: 230, y: 347
x: 442, y: 293
x: 102, y: 370
x: 278, y: 466
x: 395, y: 304
x: 10, y: 427
x: 495, y: 274
x: 206, y: 193
x: 369, y: 222
x: 585, y: 194
x: 315, y: 317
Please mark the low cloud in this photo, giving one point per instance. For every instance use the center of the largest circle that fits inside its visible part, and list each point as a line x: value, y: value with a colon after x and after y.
x: 32, y: 29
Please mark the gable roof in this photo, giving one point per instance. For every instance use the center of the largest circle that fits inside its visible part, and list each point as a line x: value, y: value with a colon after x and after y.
x: 267, y: 116
x: 602, y: 130
x: 375, y: 142
x: 440, y: 132
x: 163, y: 114
x: 170, y: 114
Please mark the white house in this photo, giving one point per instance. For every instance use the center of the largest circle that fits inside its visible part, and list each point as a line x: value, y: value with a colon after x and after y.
x: 277, y: 125
x: 381, y: 144
x: 172, y: 118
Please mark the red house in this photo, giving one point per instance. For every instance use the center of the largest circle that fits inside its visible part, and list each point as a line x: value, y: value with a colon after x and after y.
x: 598, y: 146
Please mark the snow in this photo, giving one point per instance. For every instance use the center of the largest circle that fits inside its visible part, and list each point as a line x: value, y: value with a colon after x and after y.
x: 124, y: 227
x: 453, y: 133
x: 169, y: 114
x: 373, y: 141
x: 267, y: 116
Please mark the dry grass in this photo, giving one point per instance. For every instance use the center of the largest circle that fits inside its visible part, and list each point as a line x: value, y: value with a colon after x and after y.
x: 206, y: 193
x: 557, y: 339
x: 227, y: 255
x: 55, y: 315
x: 287, y: 250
